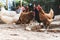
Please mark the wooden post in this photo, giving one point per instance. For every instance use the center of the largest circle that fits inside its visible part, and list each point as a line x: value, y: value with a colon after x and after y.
x: 21, y: 3
x: 6, y: 3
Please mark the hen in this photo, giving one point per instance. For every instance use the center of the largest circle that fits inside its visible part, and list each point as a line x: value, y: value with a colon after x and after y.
x: 9, y: 17
x: 25, y: 17
x: 44, y: 17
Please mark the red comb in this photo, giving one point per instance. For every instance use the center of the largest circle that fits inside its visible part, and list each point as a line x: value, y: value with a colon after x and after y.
x: 39, y: 7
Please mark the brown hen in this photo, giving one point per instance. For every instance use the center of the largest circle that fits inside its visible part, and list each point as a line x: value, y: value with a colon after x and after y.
x: 46, y: 18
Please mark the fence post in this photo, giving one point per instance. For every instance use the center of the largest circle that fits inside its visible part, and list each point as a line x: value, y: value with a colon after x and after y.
x: 7, y: 4
x: 21, y: 3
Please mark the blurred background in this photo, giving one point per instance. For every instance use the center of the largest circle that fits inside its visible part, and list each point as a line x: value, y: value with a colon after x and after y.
x: 46, y: 4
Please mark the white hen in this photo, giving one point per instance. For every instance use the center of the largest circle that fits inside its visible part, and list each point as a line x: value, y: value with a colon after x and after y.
x: 9, y: 17
x: 9, y: 20
x: 7, y: 13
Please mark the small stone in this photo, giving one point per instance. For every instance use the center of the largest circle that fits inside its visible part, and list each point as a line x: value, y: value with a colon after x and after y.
x: 14, y: 34
x: 27, y: 28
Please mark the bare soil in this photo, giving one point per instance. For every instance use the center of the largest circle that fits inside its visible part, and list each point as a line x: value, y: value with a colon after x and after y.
x: 18, y: 32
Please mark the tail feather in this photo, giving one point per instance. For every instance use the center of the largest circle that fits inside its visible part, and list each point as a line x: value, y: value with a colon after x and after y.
x: 51, y: 13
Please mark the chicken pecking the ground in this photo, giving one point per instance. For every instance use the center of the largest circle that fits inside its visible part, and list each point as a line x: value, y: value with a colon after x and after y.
x: 26, y: 18
x: 46, y: 18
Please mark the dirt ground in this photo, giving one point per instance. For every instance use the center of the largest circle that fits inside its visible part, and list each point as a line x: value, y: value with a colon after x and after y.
x: 7, y: 33
x: 18, y: 33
